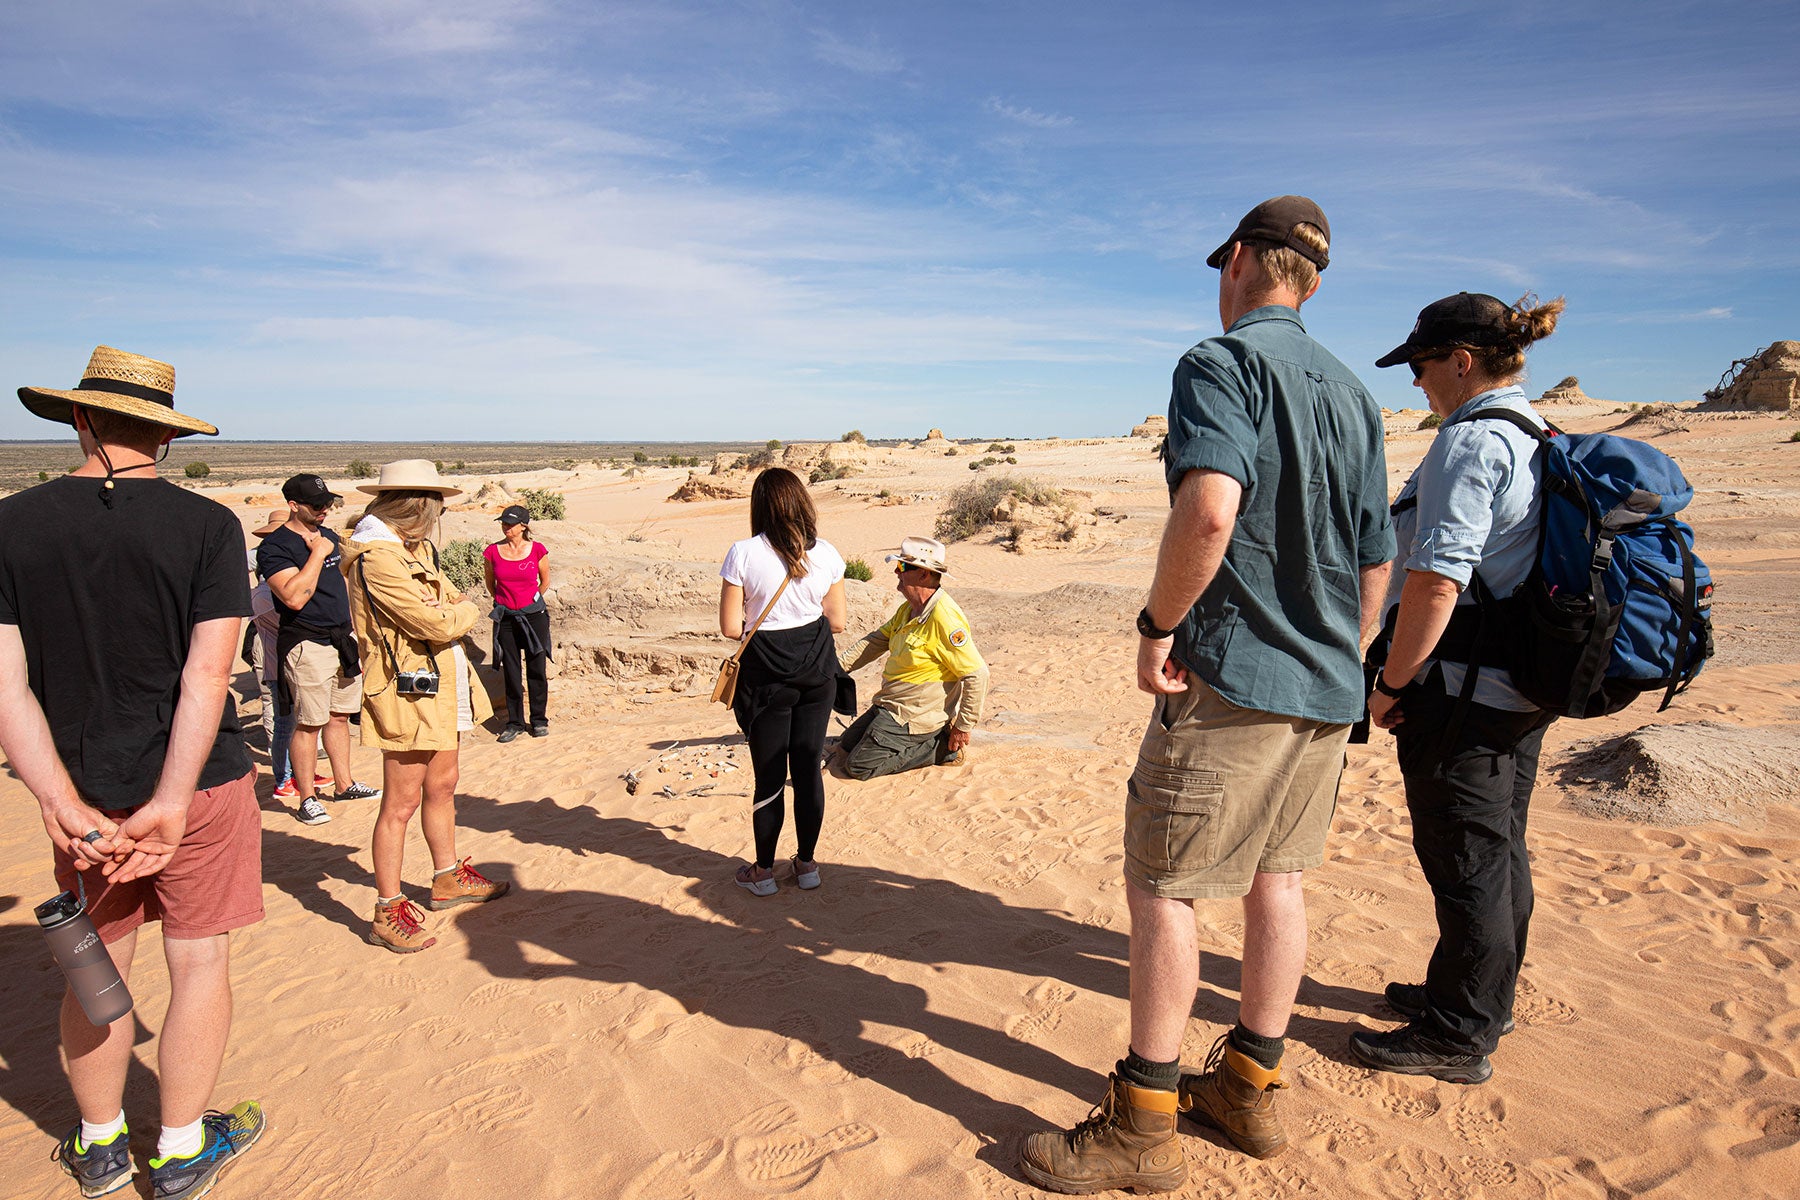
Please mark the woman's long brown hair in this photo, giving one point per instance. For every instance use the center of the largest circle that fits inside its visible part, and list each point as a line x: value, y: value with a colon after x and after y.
x: 781, y: 510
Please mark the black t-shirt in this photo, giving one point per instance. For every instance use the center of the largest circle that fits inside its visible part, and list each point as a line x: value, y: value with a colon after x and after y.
x: 106, y: 600
x: 330, y: 603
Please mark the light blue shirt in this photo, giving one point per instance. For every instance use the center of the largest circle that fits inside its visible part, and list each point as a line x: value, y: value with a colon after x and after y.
x: 1478, y: 507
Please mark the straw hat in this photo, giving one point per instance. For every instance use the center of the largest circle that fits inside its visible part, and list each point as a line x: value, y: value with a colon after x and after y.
x: 277, y: 518
x: 409, y: 475
x: 922, y: 552
x: 129, y: 384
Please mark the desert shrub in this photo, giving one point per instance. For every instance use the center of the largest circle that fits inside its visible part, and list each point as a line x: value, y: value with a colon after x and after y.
x: 196, y: 470
x: 772, y: 445
x: 1431, y: 421
x: 855, y: 435
x: 461, y: 563
x: 827, y: 471
x: 970, y: 507
x: 856, y: 568
x: 1792, y: 437
x: 359, y: 468
x: 765, y: 457
x: 543, y: 504
x: 952, y: 452
x: 976, y: 465
x: 43, y: 477
x: 638, y: 456
x: 883, y: 494
x: 1011, y: 460
x: 999, y: 448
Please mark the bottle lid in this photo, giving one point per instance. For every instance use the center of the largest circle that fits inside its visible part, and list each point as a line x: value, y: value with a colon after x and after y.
x: 59, y: 909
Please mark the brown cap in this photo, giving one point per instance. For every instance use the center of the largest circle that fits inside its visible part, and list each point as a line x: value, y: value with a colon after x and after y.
x: 1272, y: 223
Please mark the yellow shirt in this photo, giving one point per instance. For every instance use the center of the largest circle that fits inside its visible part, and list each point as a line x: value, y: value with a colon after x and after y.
x: 932, y: 669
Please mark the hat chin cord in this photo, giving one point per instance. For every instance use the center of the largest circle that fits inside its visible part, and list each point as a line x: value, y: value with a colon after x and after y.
x: 106, y: 484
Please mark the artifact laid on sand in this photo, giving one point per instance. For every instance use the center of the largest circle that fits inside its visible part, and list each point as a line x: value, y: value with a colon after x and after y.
x: 1770, y: 378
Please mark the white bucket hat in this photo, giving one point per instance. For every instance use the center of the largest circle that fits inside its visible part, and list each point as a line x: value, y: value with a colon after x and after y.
x: 409, y: 475
x: 921, y: 552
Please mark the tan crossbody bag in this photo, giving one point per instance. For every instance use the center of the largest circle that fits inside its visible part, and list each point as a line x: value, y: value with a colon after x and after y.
x: 725, y: 690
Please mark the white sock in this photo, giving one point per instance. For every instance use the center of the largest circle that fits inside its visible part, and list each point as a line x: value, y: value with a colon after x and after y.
x: 99, y: 1135
x: 388, y: 900
x: 182, y: 1142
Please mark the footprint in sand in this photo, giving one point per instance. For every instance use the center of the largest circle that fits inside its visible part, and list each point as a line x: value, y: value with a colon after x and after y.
x: 1479, y: 1121
x: 1532, y: 1007
x: 1043, y: 939
x: 769, y: 1154
x: 1393, y: 1094
x: 1044, y: 1014
x: 673, y: 1176
x: 1341, y: 1134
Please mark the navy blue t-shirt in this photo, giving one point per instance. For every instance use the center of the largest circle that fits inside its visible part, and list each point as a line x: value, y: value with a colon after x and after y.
x: 330, y: 603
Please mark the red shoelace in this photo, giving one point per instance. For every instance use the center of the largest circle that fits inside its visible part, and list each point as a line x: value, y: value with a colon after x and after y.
x: 468, y: 876
x: 406, y: 917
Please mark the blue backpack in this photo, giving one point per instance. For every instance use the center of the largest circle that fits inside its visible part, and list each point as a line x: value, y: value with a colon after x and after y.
x: 1617, y: 604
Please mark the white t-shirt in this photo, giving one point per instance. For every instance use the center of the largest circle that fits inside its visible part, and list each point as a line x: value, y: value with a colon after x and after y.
x: 753, y: 565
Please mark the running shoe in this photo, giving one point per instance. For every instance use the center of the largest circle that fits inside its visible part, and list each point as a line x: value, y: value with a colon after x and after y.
x: 1413, y: 1050
x: 225, y: 1136
x: 287, y: 789
x: 311, y: 812
x: 357, y: 791
x: 99, y: 1168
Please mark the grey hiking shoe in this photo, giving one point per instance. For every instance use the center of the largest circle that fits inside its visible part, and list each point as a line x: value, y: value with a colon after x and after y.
x: 224, y: 1136
x: 1412, y: 1050
x: 1410, y: 1001
x: 100, y: 1168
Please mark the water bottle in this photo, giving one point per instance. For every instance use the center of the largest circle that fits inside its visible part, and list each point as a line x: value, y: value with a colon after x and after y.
x: 83, y: 957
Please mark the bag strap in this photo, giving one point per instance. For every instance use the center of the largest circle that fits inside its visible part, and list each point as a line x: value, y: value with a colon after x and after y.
x: 761, y: 617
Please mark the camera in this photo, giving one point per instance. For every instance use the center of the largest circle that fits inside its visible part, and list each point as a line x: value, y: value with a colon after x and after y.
x: 416, y: 683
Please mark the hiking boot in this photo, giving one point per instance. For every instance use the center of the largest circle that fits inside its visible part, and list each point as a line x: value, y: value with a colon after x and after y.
x: 99, y: 1167
x: 1413, y: 1050
x: 509, y: 733
x: 311, y: 812
x: 225, y: 1136
x: 1235, y: 1094
x: 400, y: 927
x: 357, y: 791
x: 1128, y: 1141
x: 1410, y: 1001
x: 463, y: 884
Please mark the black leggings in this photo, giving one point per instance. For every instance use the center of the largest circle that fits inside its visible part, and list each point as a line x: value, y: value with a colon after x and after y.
x: 787, y: 739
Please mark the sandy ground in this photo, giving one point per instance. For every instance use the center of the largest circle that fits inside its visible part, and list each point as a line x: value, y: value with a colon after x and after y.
x: 628, y: 1023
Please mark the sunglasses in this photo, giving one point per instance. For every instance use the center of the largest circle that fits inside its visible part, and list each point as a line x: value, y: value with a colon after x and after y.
x: 1417, y: 365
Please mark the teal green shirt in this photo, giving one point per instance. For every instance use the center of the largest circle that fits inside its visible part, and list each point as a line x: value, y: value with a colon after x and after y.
x: 1278, y: 629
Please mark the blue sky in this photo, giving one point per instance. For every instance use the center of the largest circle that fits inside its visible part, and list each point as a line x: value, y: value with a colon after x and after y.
x: 538, y: 219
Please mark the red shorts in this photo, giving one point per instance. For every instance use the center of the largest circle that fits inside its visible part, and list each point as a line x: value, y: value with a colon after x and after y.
x: 212, y: 884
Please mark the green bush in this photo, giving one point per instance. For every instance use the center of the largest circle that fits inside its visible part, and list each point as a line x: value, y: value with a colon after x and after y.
x: 952, y: 452
x: 543, y: 504
x: 856, y: 568
x: 1431, y: 421
x: 827, y: 471
x: 772, y: 445
x: 969, y: 508
x: 638, y: 456
x: 43, y: 477
x: 1792, y: 437
x: 461, y: 563
x: 998, y: 448
x: 359, y: 468
x: 855, y: 435
x: 197, y: 470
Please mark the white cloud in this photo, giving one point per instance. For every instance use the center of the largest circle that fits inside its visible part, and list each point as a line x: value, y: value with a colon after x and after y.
x: 1027, y: 116
x: 868, y: 58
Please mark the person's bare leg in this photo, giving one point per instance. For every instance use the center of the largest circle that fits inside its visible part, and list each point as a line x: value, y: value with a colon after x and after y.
x: 97, y: 1057
x: 337, y: 749
x: 402, y: 786
x: 192, y: 1046
x: 439, y: 817
x: 1165, y: 972
x: 303, y: 757
x: 1274, y: 952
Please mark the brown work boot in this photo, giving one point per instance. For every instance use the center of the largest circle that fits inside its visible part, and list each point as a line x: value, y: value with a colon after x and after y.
x: 400, y: 927
x: 463, y: 884
x: 1236, y: 1096
x: 1127, y: 1142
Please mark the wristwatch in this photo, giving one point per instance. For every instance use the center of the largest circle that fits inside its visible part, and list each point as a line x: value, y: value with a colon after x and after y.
x: 1148, y: 628
x: 1387, y: 689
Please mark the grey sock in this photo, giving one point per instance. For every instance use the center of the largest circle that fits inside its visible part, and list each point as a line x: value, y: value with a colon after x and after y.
x: 1141, y: 1071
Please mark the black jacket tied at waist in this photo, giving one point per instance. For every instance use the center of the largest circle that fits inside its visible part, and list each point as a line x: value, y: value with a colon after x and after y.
x: 799, y: 658
x: 341, y: 638
x: 523, y: 629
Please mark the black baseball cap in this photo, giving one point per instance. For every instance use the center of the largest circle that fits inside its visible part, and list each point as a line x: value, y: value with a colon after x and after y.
x: 515, y: 514
x: 309, y: 489
x: 1466, y: 319
x: 1272, y: 222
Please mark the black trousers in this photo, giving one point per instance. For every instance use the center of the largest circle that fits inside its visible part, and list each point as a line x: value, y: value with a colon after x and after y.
x: 1469, y: 794
x: 786, y: 735
x: 512, y: 648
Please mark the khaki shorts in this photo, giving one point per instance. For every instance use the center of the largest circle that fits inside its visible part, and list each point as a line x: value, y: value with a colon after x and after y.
x: 1221, y: 793
x: 212, y: 885
x: 318, y: 690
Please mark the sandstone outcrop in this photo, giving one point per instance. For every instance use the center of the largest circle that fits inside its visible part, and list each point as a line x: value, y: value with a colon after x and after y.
x: 1768, y: 379
x: 1155, y: 425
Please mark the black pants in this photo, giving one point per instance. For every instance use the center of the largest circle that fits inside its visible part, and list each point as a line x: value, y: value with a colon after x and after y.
x: 787, y: 740
x: 1468, y: 796
x: 512, y: 647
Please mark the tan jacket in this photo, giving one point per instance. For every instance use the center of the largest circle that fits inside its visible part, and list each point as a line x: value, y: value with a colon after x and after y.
x: 399, y: 579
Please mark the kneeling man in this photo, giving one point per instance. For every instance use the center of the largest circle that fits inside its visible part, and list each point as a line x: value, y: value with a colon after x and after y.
x: 934, y: 683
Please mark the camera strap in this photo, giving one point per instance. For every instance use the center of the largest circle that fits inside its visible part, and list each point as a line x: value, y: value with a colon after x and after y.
x: 375, y: 609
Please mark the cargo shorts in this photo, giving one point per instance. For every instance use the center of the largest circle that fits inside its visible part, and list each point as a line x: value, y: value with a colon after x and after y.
x: 318, y: 691
x: 1221, y: 792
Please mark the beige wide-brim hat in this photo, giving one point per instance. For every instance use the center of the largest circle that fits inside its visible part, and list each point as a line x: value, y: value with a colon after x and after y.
x: 922, y: 552
x: 277, y: 518
x: 409, y: 475
x: 129, y: 384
